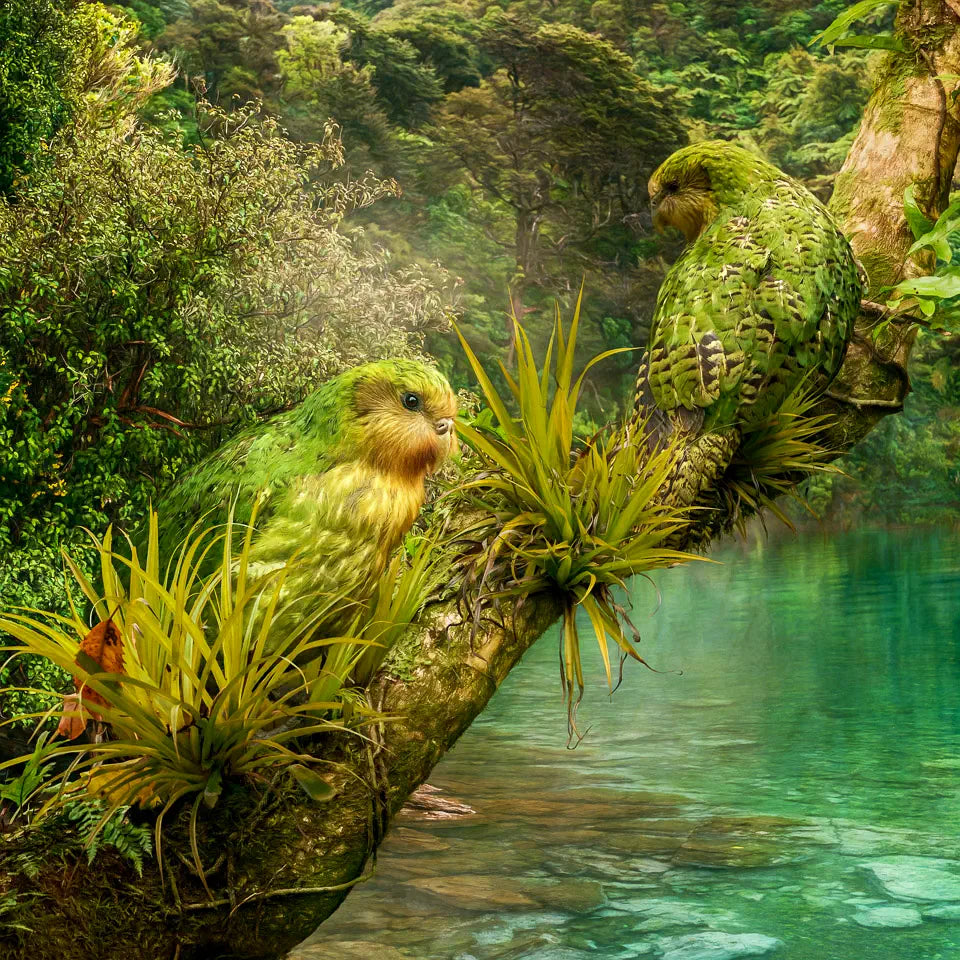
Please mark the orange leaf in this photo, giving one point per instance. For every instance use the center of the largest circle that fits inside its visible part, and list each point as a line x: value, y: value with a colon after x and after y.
x: 104, y: 645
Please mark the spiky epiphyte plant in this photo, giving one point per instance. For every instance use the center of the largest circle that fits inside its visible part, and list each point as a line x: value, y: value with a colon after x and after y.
x: 577, y: 521
x: 774, y: 455
x: 196, y: 686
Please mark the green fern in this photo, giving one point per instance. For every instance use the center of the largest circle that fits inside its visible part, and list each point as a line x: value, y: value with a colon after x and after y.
x: 132, y: 842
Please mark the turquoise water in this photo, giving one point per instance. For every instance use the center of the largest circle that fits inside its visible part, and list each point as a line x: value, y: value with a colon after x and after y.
x: 788, y: 784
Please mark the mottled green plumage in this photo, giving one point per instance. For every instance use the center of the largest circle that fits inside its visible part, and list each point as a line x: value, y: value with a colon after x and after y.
x: 340, y: 479
x: 764, y: 296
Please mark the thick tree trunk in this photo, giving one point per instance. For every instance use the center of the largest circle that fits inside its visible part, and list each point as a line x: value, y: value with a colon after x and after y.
x: 280, y: 865
x: 910, y: 134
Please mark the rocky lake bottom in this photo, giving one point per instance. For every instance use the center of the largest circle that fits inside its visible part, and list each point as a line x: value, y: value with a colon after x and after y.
x: 787, y: 786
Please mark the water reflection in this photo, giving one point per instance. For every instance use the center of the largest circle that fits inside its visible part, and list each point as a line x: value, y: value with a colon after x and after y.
x: 804, y: 734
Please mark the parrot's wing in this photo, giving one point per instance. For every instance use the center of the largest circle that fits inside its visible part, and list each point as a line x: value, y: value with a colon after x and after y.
x: 761, y: 297
x: 258, y: 463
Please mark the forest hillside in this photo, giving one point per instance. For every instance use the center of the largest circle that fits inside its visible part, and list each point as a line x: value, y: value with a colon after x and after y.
x: 521, y: 135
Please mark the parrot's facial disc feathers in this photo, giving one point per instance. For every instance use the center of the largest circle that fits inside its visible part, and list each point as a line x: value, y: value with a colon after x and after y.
x: 687, y: 205
x: 689, y: 187
x: 406, y: 412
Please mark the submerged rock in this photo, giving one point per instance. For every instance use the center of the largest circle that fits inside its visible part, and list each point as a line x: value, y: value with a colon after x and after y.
x: 557, y: 953
x: 633, y: 951
x: 657, y: 915
x: 475, y: 892
x: 891, y: 918
x: 741, y: 842
x: 571, y: 894
x: 482, y: 892
x: 917, y: 878
x: 943, y: 911
x: 425, y: 803
x: 406, y: 840
x: 887, y: 844
x: 353, y: 950
x: 714, y: 945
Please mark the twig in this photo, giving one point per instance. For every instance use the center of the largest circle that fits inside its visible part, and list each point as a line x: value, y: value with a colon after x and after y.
x: 267, y: 894
x: 861, y: 403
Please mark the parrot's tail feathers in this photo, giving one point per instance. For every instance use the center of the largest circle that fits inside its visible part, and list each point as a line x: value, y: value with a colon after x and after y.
x: 687, y: 421
x: 702, y: 464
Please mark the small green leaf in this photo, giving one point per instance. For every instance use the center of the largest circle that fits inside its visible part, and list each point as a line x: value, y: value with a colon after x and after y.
x: 919, y: 222
x: 312, y: 784
x: 938, y: 235
x: 941, y: 287
x: 846, y: 20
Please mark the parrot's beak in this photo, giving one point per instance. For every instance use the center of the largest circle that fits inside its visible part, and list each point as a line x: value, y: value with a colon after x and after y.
x: 444, y: 426
x: 655, y: 198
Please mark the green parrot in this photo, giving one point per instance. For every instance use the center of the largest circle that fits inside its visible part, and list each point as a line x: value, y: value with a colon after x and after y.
x: 764, y: 295
x: 340, y: 480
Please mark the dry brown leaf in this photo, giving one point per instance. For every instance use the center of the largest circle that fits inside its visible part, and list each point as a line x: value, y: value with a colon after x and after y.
x: 73, y: 720
x: 104, y: 645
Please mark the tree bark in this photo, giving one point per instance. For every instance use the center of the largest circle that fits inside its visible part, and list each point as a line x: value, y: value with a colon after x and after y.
x: 910, y: 134
x: 280, y: 865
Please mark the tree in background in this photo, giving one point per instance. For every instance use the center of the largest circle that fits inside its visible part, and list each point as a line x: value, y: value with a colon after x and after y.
x: 446, y: 38
x: 808, y: 111
x: 563, y: 137
x: 230, y: 45
x: 154, y: 298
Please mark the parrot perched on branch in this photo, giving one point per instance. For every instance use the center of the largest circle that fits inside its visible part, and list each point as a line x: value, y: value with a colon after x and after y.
x: 340, y: 479
x: 763, y: 297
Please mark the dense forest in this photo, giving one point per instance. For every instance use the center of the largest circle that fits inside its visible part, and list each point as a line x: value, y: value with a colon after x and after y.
x: 460, y: 159
x: 471, y: 157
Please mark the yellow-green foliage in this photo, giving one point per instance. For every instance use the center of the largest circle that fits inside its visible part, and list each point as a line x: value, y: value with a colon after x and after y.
x: 579, y: 521
x: 775, y: 454
x: 200, y: 700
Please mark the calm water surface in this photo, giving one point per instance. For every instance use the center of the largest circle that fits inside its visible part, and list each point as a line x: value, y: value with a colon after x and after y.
x: 788, y: 785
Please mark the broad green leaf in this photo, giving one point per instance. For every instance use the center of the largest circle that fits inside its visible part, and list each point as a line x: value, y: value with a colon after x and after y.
x: 879, y: 41
x: 941, y: 287
x: 938, y: 234
x: 846, y: 20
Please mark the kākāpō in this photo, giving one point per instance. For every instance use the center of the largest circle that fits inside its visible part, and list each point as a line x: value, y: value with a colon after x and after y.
x: 763, y: 297
x: 340, y: 480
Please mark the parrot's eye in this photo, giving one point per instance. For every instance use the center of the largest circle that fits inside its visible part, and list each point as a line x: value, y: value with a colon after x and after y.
x: 673, y: 186
x: 411, y: 401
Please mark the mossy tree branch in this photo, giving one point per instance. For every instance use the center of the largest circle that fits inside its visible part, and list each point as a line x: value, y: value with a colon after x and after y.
x: 441, y: 676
